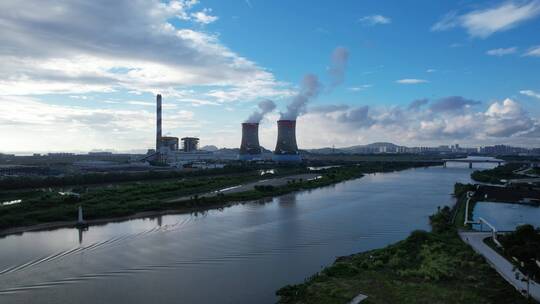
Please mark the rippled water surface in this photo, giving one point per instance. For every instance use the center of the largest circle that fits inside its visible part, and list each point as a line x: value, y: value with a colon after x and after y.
x: 241, y: 254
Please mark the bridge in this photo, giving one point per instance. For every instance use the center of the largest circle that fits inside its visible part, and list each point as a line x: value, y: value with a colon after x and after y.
x: 471, y: 161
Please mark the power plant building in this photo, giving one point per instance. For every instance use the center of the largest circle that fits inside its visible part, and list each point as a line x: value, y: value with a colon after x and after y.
x: 249, y: 147
x: 190, y: 144
x: 286, y: 147
x: 168, y: 148
x: 168, y: 143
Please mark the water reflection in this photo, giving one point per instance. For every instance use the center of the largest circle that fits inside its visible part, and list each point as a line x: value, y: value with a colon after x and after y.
x: 287, y: 200
x: 81, y: 231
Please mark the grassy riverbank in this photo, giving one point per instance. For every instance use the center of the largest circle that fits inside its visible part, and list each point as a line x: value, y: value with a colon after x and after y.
x: 427, y: 267
x: 131, y: 198
x: 495, y: 175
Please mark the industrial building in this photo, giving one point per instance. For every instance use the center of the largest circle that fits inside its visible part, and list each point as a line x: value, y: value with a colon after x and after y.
x: 286, y: 147
x: 168, y: 149
x: 190, y: 144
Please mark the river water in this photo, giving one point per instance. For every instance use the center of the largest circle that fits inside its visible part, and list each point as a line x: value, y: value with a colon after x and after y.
x: 505, y: 216
x: 241, y: 254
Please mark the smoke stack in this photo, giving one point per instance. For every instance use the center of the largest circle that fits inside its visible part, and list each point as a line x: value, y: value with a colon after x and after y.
x: 158, y: 122
x: 250, y: 148
x: 286, y: 148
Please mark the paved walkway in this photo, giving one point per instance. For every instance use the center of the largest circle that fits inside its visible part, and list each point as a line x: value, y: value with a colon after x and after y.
x: 503, y: 267
x: 276, y: 182
x: 359, y: 298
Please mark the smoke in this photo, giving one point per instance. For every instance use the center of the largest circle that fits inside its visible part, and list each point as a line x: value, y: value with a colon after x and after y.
x: 339, y: 59
x: 266, y: 106
x: 309, y: 88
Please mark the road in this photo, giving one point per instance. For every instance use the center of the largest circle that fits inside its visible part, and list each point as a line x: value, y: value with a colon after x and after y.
x: 503, y: 267
x: 276, y: 182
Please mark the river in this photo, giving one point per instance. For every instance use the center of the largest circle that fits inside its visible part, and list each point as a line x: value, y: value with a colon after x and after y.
x: 240, y: 254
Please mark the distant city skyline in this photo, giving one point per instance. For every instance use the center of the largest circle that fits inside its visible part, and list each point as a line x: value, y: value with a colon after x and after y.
x: 75, y: 77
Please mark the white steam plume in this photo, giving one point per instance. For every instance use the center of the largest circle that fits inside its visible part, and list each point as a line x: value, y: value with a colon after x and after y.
x: 311, y: 86
x: 339, y: 60
x: 309, y: 89
x: 266, y: 106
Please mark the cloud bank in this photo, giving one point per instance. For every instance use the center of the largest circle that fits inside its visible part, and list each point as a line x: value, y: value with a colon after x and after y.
x: 74, y: 47
x: 422, y: 122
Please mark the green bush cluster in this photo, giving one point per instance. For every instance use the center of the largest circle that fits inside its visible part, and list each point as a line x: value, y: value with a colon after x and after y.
x: 265, y: 188
x: 524, y: 244
x: 495, y: 175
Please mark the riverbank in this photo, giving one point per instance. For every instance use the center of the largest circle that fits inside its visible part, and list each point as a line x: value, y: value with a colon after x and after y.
x: 498, y: 175
x: 140, y: 200
x: 427, y: 267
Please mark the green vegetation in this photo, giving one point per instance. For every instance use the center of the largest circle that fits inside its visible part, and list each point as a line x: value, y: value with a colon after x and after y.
x: 495, y: 175
x: 519, y: 157
x: 427, y: 267
x: 126, y: 199
x: 27, y: 182
x: 460, y: 193
x: 462, y: 189
x: 524, y: 245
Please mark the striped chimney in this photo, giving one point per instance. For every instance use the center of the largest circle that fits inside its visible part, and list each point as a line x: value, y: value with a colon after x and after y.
x: 158, y: 122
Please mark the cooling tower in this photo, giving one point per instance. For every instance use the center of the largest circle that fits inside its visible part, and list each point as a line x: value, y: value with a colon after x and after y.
x: 250, y: 148
x: 286, y: 148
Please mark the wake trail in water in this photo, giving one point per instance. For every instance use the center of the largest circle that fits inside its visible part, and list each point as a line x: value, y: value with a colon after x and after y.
x: 92, y: 247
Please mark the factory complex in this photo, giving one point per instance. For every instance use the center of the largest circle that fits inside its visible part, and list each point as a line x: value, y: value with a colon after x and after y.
x: 185, y: 151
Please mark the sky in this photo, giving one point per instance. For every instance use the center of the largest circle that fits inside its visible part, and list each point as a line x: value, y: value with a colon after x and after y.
x: 82, y: 75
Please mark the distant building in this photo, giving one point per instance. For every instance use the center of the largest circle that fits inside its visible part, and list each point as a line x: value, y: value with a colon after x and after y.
x: 503, y: 150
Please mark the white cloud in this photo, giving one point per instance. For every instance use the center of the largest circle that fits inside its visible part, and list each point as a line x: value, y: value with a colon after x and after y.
x: 204, y: 16
x: 530, y: 93
x: 374, y: 20
x: 533, y: 51
x: 360, y: 87
x: 411, y: 81
x: 484, y: 23
x: 502, y: 51
x: 32, y: 125
x: 130, y: 45
x: 431, y: 70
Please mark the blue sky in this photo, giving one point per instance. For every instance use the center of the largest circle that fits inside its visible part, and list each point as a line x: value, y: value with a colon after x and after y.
x: 79, y: 77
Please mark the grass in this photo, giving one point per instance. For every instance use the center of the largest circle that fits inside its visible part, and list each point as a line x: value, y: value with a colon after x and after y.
x: 427, y: 267
x: 126, y: 199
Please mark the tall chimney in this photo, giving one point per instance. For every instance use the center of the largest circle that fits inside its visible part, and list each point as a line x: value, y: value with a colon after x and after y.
x: 250, y: 148
x: 158, y: 122
x: 286, y: 148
